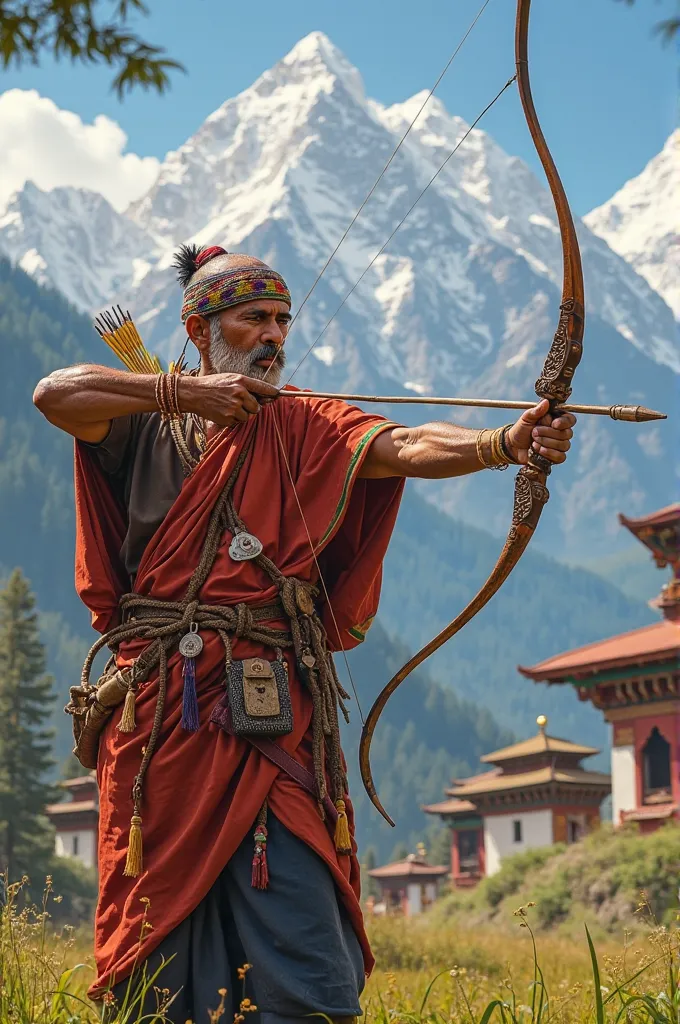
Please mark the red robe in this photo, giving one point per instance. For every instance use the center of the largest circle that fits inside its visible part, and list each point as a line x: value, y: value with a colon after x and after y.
x: 203, y: 790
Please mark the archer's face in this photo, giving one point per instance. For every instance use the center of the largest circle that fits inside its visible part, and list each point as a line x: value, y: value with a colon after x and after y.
x: 259, y: 324
x: 246, y: 339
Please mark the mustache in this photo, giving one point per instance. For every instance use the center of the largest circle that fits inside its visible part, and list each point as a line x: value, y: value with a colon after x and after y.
x: 269, y: 352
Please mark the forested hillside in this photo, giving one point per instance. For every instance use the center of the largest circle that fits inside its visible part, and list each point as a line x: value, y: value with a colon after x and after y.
x: 434, y: 565
x: 39, y: 332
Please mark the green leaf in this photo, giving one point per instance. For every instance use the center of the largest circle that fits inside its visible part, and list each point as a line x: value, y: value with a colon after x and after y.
x: 495, y: 1004
x: 599, y: 1004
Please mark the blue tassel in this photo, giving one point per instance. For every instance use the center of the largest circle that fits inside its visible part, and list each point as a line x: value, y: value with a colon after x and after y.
x: 189, y: 699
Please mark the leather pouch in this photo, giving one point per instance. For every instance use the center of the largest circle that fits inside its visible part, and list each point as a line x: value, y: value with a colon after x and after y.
x: 91, y: 708
x: 259, y: 697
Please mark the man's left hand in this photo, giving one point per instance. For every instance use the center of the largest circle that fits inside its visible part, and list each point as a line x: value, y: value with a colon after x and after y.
x: 547, y: 436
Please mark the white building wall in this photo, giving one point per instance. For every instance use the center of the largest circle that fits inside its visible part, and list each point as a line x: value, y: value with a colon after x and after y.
x: 624, y: 790
x: 86, y: 839
x: 414, y: 897
x: 431, y: 890
x: 499, y: 835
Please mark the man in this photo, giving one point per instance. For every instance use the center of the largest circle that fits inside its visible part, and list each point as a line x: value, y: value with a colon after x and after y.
x: 315, y: 483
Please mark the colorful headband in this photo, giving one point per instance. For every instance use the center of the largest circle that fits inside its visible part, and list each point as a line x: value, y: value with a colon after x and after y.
x: 230, y: 287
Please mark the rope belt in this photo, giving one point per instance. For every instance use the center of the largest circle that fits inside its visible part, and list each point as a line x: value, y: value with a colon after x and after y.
x: 167, y: 617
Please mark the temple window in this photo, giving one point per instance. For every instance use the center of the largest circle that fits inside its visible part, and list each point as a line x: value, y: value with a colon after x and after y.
x: 656, y: 762
x: 468, y: 855
x: 74, y: 846
x: 517, y: 831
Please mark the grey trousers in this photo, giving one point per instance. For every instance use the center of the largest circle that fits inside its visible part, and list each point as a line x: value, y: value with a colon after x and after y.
x: 305, y: 954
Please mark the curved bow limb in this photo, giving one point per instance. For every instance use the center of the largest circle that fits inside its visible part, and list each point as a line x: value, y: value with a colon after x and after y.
x: 555, y: 381
x: 512, y: 552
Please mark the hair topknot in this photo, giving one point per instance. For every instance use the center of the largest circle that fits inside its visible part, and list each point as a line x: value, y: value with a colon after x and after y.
x: 189, y: 258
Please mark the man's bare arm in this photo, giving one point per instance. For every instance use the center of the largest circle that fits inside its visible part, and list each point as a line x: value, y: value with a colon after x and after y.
x: 433, y: 451
x: 82, y: 400
x: 438, y: 451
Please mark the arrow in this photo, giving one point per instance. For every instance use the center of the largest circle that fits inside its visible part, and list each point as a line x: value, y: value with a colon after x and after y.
x: 630, y: 413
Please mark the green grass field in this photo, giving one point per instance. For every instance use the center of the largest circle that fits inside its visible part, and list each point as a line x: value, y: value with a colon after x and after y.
x: 565, y: 935
x: 428, y: 971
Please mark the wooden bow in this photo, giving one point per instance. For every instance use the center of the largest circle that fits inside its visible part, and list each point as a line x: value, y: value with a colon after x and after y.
x: 531, y: 492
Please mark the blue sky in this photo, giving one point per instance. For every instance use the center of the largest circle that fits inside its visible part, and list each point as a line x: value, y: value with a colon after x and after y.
x: 605, y: 88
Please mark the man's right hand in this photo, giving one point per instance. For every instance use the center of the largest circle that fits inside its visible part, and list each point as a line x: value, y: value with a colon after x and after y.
x: 224, y: 398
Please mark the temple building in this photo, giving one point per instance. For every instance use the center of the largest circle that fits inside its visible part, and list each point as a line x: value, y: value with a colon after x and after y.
x: 634, y: 679
x: 535, y: 794
x: 407, y: 887
x: 75, y: 820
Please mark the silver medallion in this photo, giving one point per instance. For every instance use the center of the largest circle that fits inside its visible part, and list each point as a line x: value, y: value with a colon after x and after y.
x: 191, y: 644
x: 244, y: 546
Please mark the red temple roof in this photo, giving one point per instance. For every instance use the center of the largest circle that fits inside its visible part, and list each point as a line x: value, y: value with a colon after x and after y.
x: 84, y: 798
x: 664, y: 516
x: 411, y: 867
x: 539, y: 744
x: 649, y: 813
x: 71, y: 807
x: 521, y: 780
x: 80, y: 780
x: 451, y: 806
x: 657, y: 642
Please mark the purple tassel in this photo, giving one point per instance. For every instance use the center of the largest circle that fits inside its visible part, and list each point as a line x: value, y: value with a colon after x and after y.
x: 189, y: 699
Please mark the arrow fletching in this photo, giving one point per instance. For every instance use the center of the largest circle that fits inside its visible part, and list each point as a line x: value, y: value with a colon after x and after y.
x: 118, y: 330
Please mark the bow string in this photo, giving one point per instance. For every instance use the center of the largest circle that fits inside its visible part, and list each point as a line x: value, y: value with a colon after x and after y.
x: 531, y: 492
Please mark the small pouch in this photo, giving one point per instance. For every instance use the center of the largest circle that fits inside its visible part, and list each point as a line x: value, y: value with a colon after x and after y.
x: 259, y: 697
x: 91, y: 707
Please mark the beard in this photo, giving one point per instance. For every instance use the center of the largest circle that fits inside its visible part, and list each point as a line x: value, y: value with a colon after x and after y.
x: 226, y: 358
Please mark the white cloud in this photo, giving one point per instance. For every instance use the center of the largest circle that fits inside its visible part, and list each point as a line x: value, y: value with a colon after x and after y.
x: 53, y: 147
x: 650, y: 442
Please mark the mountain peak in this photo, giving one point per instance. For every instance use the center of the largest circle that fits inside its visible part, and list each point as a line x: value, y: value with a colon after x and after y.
x: 433, y: 106
x: 637, y: 224
x: 315, y: 55
x: 315, y: 45
x: 425, y: 113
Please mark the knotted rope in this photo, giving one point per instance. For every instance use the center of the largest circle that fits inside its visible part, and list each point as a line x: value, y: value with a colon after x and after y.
x: 164, y: 623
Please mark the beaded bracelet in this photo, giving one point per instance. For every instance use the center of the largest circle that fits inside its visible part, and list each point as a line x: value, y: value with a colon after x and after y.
x: 160, y: 398
x: 173, y: 394
x: 167, y: 395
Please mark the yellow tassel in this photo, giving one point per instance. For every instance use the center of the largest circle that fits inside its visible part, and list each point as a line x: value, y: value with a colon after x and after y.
x: 127, y: 719
x: 343, y: 841
x: 133, y: 863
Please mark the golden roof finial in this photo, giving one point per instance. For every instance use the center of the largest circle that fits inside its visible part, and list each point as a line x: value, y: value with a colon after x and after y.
x: 541, y: 722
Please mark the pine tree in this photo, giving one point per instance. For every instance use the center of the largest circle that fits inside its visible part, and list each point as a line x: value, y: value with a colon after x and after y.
x: 26, y: 699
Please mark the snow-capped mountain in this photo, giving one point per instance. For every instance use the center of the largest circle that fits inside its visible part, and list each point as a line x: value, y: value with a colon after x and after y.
x: 73, y: 240
x: 463, y: 300
x: 298, y: 151
x: 641, y: 222
x: 518, y: 212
